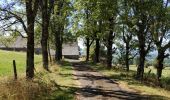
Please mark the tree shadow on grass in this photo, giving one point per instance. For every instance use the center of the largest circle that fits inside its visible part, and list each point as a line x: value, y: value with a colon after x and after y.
x: 69, y: 93
x: 64, y: 93
x: 118, y: 94
x: 64, y: 63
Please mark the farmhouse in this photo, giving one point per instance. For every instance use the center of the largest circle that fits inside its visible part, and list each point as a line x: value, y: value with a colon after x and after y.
x: 69, y: 50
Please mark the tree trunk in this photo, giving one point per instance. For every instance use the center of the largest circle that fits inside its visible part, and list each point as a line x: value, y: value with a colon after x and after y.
x: 49, y: 53
x: 140, y: 69
x: 30, y: 40
x: 159, y: 66
x: 58, y: 54
x: 44, y: 50
x: 109, y: 50
x: 44, y: 39
x: 109, y: 45
x: 87, y: 49
x: 30, y: 50
x: 97, y: 51
x: 127, y: 57
x: 61, y: 42
x: 58, y: 35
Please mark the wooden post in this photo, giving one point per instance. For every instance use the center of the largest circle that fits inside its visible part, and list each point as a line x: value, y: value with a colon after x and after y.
x: 15, y: 70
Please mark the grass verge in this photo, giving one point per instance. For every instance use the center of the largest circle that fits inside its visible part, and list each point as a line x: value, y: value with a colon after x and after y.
x: 57, y: 85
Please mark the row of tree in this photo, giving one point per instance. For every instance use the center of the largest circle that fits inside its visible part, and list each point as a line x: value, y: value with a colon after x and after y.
x: 136, y: 27
x: 40, y: 21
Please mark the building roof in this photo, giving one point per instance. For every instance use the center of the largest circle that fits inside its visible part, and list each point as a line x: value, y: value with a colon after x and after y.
x: 70, y: 48
x: 20, y: 42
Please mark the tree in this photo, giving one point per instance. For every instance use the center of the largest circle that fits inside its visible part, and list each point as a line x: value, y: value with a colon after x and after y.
x: 84, y: 22
x: 127, y: 38
x: 59, y: 26
x: 108, y: 13
x: 160, y: 32
x: 59, y: 31
x: 127, y: 34
x: 97, y: 49
x: 46, y: 14
x: 93, y: 14
x: 31, y: 11
x: 110, y: 43
x: 138, y: 20
x: 129, y: 45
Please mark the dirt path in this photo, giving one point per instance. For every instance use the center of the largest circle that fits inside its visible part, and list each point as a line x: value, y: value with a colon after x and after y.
x: 95, y: 86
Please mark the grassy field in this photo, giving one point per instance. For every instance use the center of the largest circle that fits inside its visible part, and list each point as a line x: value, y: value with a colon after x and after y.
x: 165, y: 72
x: 6, y: 62
x: 146, y: 87
x: 58, y: 84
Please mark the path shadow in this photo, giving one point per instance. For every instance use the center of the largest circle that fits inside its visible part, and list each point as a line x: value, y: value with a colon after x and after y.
x: 90, y: 91
x: 82, y: 66
x: 90, y: 77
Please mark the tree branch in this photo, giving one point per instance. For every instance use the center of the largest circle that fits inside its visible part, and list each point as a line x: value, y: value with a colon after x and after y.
x: 17, y: 17
x: 133, y: 56
x: 15, y: 30
x: 91, y: 42
x: 35, y: 9
x: 149, y: 47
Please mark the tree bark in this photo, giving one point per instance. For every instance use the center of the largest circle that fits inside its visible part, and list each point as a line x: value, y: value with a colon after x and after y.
x: 58, y: 35
x: 58, y: 39
x: 30, y: 13
x: 142, y: 37
x: 127, y: 57
x: 49, y: 53
x: 127, y: 38
x: 109, y: 51
x: 87, y: 48
x: 140, y: 69
x: 30, y: 50
x: 159, y: 66
x: 109, y: 45
x: 45, y: 34
x: 97, y: 51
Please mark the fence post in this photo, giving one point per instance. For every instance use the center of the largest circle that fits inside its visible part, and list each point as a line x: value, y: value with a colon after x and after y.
x: 15, y: 70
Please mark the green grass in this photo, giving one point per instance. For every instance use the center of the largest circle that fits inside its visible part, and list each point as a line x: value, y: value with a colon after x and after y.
x: 6, y: 62
x: 151, y: 78
x: 57, y: 84
x: 61, y: 78
x: 165, y: 72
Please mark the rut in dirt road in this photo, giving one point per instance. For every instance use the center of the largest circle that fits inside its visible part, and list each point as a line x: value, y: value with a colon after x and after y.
x: 94, y: 86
